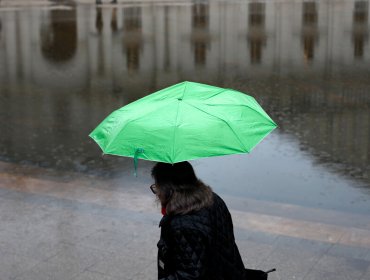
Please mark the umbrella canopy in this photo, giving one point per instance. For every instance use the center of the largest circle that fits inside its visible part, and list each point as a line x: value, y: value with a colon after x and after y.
x: 183, y: 122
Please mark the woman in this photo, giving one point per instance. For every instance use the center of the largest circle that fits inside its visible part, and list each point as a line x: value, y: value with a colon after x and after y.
x: 197, y: 237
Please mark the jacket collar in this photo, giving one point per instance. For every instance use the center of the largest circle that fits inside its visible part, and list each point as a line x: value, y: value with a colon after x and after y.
x: 165, y: 220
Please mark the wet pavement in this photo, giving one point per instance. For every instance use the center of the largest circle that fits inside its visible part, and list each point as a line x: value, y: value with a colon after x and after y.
x: 300, y: 200
x: 88, y: 228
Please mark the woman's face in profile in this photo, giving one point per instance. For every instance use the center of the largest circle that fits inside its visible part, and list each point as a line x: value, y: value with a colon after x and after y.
x: 162, y: 196
x: 157, y: 192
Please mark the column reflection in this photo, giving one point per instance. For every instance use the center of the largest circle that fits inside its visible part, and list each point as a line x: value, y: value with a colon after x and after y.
x: 360, y: 27
x: 1, y: 28
x: 113, y: 23
x: 59, y: 37
x: 99, y: 20
x: 256, y: 31
x: 99, y: 25
x: 200, y: 31
x: 309, y: 29
x: 132, y: 41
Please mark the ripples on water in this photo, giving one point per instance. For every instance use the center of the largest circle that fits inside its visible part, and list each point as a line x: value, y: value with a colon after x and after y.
x: 64, y: 70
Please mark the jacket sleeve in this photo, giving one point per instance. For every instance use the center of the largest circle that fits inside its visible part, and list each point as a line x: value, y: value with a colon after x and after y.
x: 189, y: 255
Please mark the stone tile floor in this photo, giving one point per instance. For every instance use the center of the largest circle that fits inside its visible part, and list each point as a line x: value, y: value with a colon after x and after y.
x: 88, y: 228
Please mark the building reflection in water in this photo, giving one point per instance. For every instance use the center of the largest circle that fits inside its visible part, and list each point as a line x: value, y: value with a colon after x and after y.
x: 360, y: 27
x: 330, y: 115
x: 59, y: 36
x: 309, y: 29
x: 256, y: 31
x: 200, y: 37
x: 132, y: 37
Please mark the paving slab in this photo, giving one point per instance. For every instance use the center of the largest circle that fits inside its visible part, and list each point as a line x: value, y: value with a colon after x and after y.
x: 123, y: 266
x: 107, y: 241
x: 254, y: 253
x: 88, y: 275
x: 355, y: 252
x: 50, y: 271
x: 366, y: 275
x: 290, y: 263
x: 350, y: 267
x: 13, y: 265
x: 301, y: 244
x: 331, y: 267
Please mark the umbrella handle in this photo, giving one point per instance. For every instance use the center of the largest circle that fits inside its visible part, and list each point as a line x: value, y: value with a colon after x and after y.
x: 136, y: 155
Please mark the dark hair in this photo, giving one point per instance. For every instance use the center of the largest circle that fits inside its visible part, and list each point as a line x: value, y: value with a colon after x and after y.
x: 180, y: 191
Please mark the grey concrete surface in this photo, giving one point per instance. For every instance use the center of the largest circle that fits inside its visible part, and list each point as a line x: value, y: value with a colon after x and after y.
x: 89, y: 228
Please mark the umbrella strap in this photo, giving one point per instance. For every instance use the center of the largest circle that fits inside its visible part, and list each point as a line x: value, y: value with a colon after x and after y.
x: 136, y: 156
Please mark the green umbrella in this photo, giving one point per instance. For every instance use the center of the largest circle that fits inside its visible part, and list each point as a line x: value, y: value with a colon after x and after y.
x: 183, y: 122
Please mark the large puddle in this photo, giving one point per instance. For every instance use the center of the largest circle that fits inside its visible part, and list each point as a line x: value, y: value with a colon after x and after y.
x: 64, y: 68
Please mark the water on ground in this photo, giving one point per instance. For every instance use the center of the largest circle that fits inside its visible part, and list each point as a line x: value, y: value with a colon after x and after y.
x: 65, y: 67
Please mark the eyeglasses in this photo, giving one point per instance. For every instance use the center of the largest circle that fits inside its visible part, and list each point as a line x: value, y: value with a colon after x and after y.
x: 153, y: 188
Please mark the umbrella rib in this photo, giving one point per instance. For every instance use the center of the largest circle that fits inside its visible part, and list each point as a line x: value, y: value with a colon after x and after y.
x: 176, y: 122
x: 268, y: 118
x: 237, y: 137
x: 119, y: 129
x: 174, y: 132
x: 117, y: 132
x: 250, y: 107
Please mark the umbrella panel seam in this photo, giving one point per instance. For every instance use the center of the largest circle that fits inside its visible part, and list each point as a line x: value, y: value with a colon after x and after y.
x: 237, y: 137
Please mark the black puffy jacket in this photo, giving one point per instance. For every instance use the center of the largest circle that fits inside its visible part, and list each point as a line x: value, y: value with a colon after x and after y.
x: 199, y: 246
